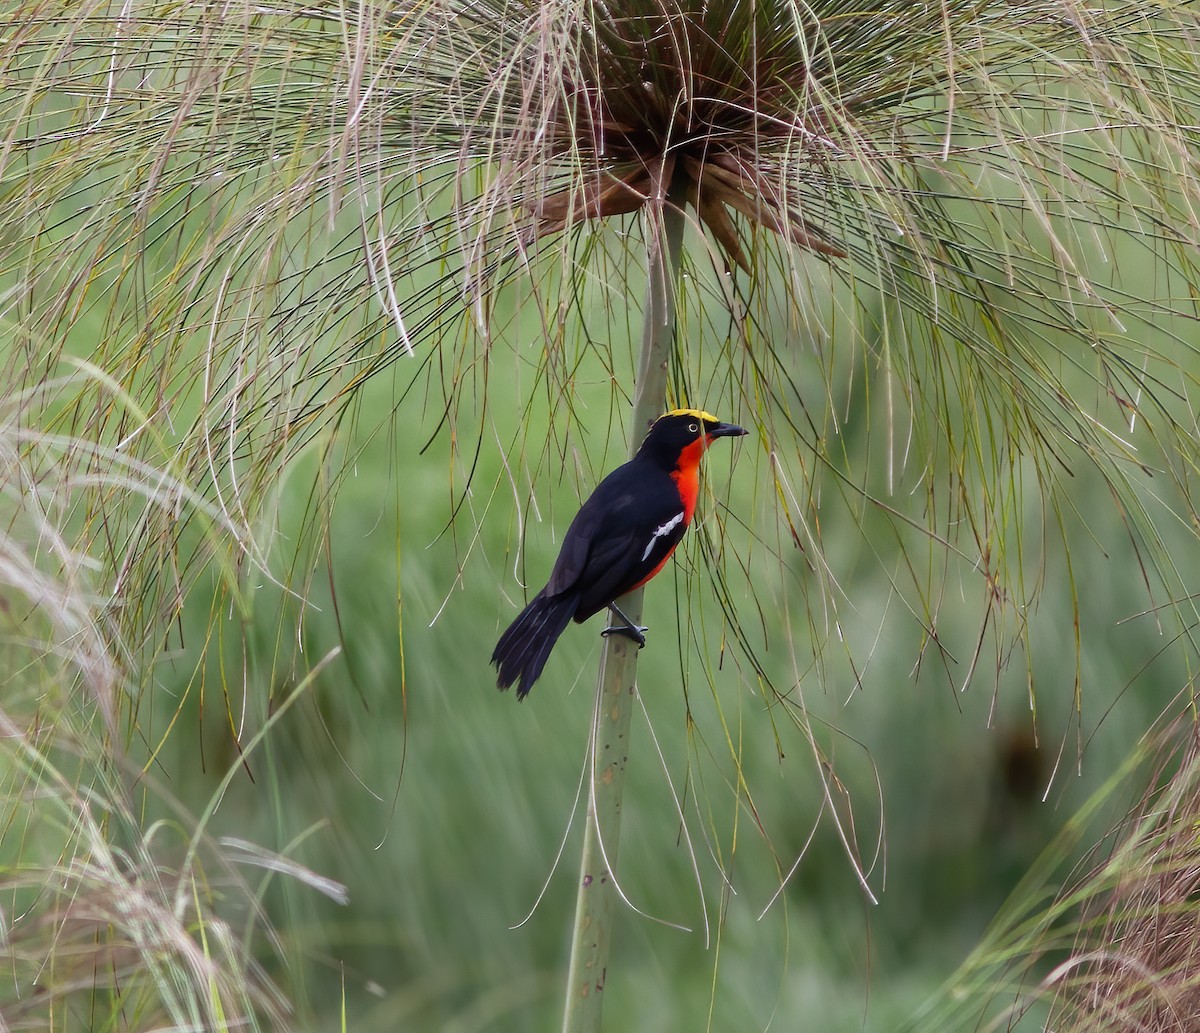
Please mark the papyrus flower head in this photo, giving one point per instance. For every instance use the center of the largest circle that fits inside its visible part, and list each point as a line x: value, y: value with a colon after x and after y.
x: 712, y: 102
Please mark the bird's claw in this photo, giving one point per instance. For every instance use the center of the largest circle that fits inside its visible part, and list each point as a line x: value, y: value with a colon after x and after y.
x: 636, y: 632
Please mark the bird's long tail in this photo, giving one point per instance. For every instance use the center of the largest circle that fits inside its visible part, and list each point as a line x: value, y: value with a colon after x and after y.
x: 524, y: 648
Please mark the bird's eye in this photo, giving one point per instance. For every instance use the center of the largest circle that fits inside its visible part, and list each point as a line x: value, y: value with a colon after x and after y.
x: 693, y: 427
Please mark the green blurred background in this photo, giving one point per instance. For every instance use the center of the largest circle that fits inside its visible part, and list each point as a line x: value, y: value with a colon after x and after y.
x: 442, y: 805
x: 815, y: 843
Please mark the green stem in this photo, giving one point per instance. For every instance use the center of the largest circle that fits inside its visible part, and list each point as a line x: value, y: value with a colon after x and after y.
x: 594, y: 905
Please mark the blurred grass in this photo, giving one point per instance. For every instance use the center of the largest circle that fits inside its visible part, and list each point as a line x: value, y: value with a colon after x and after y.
x: 441, y: 804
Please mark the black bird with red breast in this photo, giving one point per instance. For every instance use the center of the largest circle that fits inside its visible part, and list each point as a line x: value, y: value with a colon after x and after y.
x: 620, y: 538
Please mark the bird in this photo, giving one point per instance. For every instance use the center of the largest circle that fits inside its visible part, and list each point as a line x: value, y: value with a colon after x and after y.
x: 621, y: 537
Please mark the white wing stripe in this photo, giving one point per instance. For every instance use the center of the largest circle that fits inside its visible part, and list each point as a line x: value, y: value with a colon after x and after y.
x: 662, y: 529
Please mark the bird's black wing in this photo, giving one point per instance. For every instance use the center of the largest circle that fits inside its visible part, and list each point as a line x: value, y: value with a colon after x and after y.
x: 625, y: 529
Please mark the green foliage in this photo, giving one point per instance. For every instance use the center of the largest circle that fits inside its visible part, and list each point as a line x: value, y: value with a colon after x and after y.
x: 316, y: 326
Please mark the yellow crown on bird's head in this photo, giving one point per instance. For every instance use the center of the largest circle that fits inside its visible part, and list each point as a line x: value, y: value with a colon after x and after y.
x: 699, y: 414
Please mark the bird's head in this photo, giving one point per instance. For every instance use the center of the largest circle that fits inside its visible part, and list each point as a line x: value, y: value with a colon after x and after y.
x: 679, y: 437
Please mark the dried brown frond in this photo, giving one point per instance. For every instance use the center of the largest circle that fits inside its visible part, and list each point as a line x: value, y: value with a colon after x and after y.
x: 698, y: 99
x: 1136, y: 962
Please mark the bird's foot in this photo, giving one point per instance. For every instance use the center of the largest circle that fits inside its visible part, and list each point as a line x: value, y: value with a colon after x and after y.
x: 637, y: 632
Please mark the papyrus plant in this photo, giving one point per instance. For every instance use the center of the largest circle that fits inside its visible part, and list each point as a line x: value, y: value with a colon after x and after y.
x: 969, y: 227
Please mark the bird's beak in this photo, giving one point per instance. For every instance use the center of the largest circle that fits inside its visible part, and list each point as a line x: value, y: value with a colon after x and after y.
x: 727, y: 430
